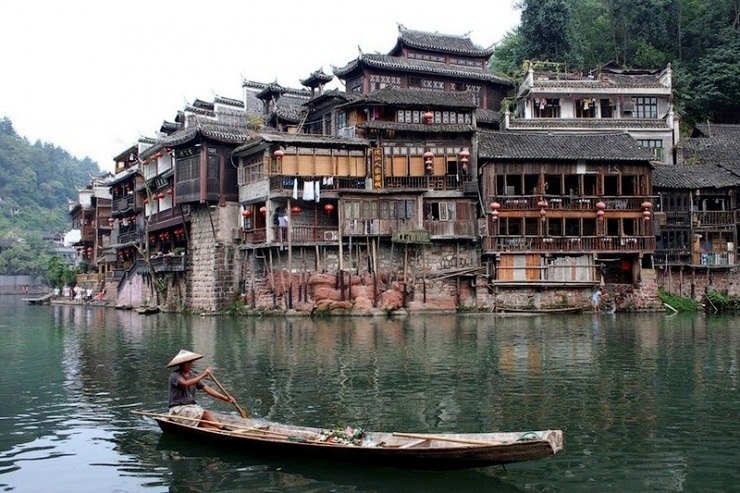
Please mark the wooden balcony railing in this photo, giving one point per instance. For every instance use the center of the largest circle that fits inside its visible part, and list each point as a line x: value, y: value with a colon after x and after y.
x: 124, y: 204
x: 567, y: 202
x: 168, y: 263
x: 568, y: 244
x: 683, y: 256
x: 338, y: 184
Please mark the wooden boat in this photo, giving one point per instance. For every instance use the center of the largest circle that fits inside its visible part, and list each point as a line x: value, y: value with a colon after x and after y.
x: 42, y: 300
x: 147, y: 310
x: 445, y: 451
x: 554, y: 310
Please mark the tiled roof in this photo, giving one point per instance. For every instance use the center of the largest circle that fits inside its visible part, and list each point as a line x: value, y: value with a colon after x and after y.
x: 417, y: 127
x: 317, y: 78
x: 604, y: 81
x: 293, y: 139
x: 443, y: 43
x: 712, y: 144
x: 387, y: 62
x: 204, y: 105
x: 586, y: 123
x: 228, y: 134
x: 415, y: 98
x: 693, y: 176
x: 515, y: 145
x: 720, y: 130
x: 169, y: 127
x: 228, y: 101
x: 486, y: 116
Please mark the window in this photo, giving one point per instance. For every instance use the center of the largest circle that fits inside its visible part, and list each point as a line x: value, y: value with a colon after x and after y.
x: 586, y: 108
x: 646, y: 107
x: 441, y: 211
x: 547, y: 108
x: 655, y: 146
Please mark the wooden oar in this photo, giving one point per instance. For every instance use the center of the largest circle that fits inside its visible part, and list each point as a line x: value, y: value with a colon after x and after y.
x: 443, y: 438
x: 242, y: 412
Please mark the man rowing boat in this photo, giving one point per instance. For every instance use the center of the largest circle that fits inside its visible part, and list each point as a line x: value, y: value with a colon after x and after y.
x: 184, y: 381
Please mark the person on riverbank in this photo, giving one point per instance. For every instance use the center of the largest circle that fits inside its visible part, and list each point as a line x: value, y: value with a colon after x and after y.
x: 183, y: 383
x: 596, y: 300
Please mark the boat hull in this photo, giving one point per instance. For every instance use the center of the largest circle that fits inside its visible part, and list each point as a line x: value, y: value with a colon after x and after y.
x: 410, y: 451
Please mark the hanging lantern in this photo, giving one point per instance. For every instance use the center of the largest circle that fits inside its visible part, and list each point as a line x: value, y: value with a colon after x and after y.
x: 263, y: 210
x: 600, y: 214
x: 542, y: 204
x: 646, y: 215
x: 170, y: 192
x: 110, y: 220
x: 279, y: 153
x: 246, y: 213
x: 328, y: 208
x: 600, y: 205
x: 428, y: 117
x: 464, y: 156
x: 495, y: 206
x: 647, y: 205
x: 494, y: 215
x: 295, y: 210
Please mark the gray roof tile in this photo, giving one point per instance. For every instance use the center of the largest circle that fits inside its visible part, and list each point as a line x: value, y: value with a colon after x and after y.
x: 693, y: 176
x: 593, y: 147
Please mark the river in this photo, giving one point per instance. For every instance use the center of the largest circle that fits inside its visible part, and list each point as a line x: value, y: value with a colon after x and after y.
x: 647, y: 402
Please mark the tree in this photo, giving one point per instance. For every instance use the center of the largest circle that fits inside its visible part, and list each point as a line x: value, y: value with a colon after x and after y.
x: 546, y: 27
x: 58, y: 273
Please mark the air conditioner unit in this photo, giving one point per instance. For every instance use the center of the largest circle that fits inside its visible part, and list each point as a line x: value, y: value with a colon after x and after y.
x: 331, y: 235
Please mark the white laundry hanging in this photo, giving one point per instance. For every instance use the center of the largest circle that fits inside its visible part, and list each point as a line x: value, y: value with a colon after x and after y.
x: 317, y: 190
x: 308, y: 190
x: 295, y: 188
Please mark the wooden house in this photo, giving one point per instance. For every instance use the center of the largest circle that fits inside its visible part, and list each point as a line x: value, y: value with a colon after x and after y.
x: 565, y: 209
x: 610, y: 99
x: 697, y: 210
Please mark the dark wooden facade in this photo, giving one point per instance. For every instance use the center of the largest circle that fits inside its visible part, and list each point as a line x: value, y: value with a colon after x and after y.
x: 567, y: 208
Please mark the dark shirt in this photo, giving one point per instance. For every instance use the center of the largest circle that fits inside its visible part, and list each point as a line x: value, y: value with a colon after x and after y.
x: 180, y: 395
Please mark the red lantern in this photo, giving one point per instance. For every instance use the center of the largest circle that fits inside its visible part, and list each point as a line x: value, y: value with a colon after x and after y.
x: 542, y: 204
x: 328, y: 208
x: 495, y: 206
x: 246, y: 213
x: 295, y: 210
x: 279, y: 154
x: 464, y: 156
x: 428, y: 117
x: 600, y: 205
x: 263, y: 210
x: 494, y: 215
x: 647, y: 205
x: 160, y: 195
x: 600, y: 215
x: 646, y: 215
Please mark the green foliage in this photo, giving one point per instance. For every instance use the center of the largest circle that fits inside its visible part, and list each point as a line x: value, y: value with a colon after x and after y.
x: 28, y: 255
x: 36, y: 180
x: 58, y: 273
x: 677, y: 302
x: 722, y: 302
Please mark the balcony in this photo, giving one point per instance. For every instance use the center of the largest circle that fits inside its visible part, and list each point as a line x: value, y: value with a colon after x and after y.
x: 568, y: 244
x: 340, y: 184
x: 301, y: 235
x: 168, y: 263
x: 123, y: 206
x: 568, y: 202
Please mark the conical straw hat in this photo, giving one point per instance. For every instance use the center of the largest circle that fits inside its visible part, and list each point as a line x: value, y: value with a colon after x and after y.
x: 183, y: 357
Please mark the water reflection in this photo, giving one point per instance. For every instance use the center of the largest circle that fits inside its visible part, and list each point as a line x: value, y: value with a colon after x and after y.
x: 647, y: 402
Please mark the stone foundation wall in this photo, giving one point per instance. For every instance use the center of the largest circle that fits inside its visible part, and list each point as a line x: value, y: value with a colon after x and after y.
x: 211, y: 258
x: 694, y: 283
